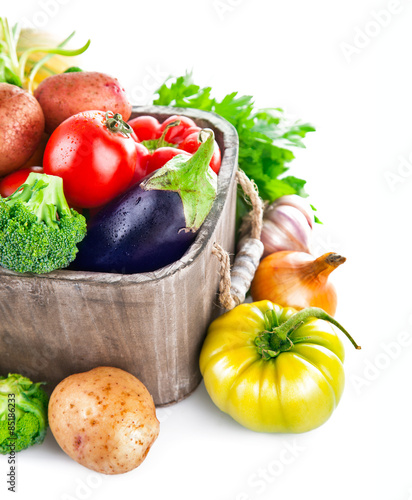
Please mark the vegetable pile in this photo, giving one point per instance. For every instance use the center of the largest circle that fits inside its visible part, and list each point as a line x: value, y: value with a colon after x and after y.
x: 136, y: 224
x: 84, y: 186
x: 174, y: 200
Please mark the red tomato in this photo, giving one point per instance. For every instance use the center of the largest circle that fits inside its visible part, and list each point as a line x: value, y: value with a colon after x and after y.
x: 141, y: 163
x: 190, y: 131
x: 95, y: 162
x: 174, y: 135
x: 134, y: 136
x: 191, y: 144
x: 146, y: 128
x: 161, y: 156
x: 10, y: 183
x: 178, y: 130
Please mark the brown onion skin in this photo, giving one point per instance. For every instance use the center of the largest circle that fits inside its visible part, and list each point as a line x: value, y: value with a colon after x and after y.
x: 297, y: 279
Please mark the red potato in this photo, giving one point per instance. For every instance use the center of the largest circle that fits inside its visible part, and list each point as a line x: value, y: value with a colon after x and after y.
x: 104, y: 419
x: 67, y: 94
x: 21, y: 127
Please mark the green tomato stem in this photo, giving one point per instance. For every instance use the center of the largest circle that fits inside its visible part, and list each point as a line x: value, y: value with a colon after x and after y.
x: 116, y: 124
x: 161, y: 141
x: 153, y: 144
x: 300, y: 317
x: 276, y: 338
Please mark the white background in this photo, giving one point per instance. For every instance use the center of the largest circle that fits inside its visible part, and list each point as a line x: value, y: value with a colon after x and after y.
x: 335, y: 65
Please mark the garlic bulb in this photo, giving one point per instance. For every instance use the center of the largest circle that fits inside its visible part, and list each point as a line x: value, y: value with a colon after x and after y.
x: 287, y: 225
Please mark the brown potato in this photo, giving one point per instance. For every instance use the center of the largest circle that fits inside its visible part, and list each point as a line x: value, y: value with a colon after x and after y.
x: 104, y: 419
x: 67, y: 94
x: 21, y: 127
x: 37, y: 157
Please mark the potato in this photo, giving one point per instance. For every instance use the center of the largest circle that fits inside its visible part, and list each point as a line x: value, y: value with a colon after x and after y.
x: 67, y: 94
x: 37, y: 157
x: 21, y: 127
x: 104, y: 419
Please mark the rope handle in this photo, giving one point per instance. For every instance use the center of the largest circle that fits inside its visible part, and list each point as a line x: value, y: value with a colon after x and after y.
x: 235, y: 282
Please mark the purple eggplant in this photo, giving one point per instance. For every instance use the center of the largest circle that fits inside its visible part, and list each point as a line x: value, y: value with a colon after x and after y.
x: 153, y: 223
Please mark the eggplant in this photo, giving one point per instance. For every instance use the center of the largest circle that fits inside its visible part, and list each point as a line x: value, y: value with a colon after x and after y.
x: 153, y: 223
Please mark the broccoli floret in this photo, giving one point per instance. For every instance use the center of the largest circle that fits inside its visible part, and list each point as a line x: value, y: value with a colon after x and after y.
x: 23, y: 413
x: 38, y: 230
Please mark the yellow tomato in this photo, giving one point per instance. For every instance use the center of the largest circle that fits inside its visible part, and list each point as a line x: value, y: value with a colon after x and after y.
x: 274, y: 369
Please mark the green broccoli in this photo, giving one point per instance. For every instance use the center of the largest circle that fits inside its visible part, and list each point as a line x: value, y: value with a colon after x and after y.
x: 38, y: 230
x: 23, y: 413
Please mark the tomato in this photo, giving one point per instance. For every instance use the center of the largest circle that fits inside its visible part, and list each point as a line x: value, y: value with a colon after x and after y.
x: 141, y: 163
x: 146, y: 127
x: 10, y: 183
x: 95, y: 156
x: 161, y: 156
x: 175, y: 135
x: 191, y: 144
x: 274, y: 369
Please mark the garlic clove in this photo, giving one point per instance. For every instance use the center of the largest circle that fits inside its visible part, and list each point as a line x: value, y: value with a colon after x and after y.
x: 301, y: 204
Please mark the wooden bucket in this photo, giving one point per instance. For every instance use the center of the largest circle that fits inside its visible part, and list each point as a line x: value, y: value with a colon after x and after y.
x: 151, y: 324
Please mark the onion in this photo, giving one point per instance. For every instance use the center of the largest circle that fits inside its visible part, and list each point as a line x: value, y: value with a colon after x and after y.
x: 297, y: 279
x: 24, y: 54
x: 54, y: 66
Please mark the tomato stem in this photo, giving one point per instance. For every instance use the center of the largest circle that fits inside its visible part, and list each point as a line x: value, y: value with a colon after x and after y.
x: 161, y: 142
x: 276, y: 338
x: 310, y: 312
x: 153, y: 144
x: 115, y: 123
